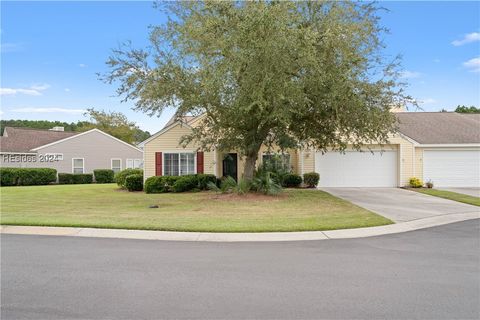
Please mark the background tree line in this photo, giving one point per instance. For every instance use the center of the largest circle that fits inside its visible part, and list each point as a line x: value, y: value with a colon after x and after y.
x: 114, y: 123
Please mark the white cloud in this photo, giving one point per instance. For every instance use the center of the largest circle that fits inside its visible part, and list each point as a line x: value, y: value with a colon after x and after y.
x: 410, y: 74
x: 49, y: 110
x: 67, y: 89
x: 35, y: 90
x: 468, y: 38
x: 473, y: 64
x: 82, y: 65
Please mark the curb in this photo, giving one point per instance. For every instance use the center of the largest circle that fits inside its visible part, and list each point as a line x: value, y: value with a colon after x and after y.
x: 242, y: 237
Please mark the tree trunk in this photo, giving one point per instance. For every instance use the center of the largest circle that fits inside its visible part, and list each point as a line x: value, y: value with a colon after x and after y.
x: 249, y: 168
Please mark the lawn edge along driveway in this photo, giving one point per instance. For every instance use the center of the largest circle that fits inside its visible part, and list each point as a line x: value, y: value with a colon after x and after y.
x: 104, y: 206
x: 450, y: 195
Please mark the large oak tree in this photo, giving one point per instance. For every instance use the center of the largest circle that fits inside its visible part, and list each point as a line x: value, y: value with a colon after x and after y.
x: 289, y: 74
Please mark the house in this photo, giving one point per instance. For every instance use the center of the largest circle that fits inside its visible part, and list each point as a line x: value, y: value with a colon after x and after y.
x: 67, y: 152
x: 441, y: 147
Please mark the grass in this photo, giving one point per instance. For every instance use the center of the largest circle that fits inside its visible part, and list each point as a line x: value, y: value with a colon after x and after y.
x: 465, y: 198
x: 104, y: 206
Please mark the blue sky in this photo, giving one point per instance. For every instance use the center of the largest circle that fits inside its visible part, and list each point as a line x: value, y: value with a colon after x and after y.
x: 51, y: 52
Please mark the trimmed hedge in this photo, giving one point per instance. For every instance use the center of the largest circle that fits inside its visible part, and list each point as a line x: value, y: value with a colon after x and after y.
x: 122, y: 175
x: 27, y: 176
x: 75, y: 178
x: 291, y: 180
x: 311, y: 179
x: 185, y: 183
x: 160, y: 184
x: 104, y: 175
x: 134, y: 182
x: 8, y: 176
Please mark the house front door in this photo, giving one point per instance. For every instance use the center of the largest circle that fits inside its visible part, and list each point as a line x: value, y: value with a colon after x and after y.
x: 229, y: 165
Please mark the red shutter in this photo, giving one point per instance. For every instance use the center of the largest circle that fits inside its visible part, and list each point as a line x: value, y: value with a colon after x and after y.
x: 199, y: 162
x: 158, y: 163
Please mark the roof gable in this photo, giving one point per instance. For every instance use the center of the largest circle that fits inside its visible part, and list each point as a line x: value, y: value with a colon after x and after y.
x: 26, y: 139
x: 84, y: 133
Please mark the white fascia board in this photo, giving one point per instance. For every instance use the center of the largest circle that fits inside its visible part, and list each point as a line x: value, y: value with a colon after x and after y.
x: 451, y: 145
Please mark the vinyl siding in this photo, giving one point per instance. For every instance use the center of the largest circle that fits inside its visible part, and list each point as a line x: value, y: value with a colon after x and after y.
x: 169, y: 141
x: 96, y: 148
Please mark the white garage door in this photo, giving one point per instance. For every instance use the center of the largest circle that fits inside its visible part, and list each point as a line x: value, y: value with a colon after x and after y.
x: 357, y: 169
x: 452, y: 168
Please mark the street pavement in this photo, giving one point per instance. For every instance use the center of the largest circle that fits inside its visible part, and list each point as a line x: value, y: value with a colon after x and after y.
x: 431, y: 273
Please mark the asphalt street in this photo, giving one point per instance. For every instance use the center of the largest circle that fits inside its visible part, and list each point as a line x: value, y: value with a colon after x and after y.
x: 426, y: 274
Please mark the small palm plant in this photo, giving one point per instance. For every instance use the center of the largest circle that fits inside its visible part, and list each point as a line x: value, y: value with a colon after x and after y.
x: 265, y: 184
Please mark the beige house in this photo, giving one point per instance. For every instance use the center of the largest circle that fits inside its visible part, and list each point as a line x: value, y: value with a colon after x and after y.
x: 441, y: 147
x: 67, y: 152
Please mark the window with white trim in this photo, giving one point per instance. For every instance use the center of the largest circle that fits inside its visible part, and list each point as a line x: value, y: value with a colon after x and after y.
x: 78, y: 165
x: 178, y: 164
x: 116, y: 165
x: 134, y: 164
x: 276, y: 161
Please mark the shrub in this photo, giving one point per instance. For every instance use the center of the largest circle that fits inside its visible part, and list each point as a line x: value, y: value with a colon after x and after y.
x: 36, y: 176
x: 154, y: 185
x: 185, y: 183
x: 104, y: 175
x: 311, y: 179
x: 8, y: 176
x: 292, y: 180
x: 265, y: 184
x: 160, y: 184
x: 122, y: 175
x: 82, y: 178
x: 227, y: 184
x: 415, y: 182
x: 134, y: 182
x: 75, y: 178
x: 204, y: 179
x: 27, y: 176
x: 65, y: 178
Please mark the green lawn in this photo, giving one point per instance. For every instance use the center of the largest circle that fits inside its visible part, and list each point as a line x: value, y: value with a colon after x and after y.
x: 450, y: 195
x: 104, y: 206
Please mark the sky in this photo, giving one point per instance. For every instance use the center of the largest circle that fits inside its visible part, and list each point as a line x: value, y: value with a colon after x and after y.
x: 51, y: 53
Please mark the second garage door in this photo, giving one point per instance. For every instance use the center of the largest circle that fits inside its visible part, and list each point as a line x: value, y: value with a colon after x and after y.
x: 357, y: 169
x: 452, y: 168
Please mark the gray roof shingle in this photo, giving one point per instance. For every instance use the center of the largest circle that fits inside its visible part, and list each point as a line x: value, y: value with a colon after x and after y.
x: 440, y: 127
x: 26, y: 139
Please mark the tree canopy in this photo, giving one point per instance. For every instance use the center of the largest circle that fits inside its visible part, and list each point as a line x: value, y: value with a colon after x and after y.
x: 115, y: 124
x: 465, y: 109
x: 280, y: 73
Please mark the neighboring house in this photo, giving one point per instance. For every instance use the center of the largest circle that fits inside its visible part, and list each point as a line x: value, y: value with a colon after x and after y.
x: 441, y: 147
x: 67, y: 152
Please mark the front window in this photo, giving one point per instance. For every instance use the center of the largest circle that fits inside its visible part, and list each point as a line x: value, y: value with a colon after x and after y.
x: 78, y: 165
x: 116, y: 165
x: 134, y: 164
x: 275, y: 162
x: 179, y: 164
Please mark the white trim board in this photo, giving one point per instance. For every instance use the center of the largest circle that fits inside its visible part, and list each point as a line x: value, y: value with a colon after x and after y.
x: 83, y: 164
x: 84, y: 133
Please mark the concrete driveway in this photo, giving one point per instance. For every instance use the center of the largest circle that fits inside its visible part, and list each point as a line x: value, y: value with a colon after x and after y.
x: 474, y: 192
x: 400, y: 205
